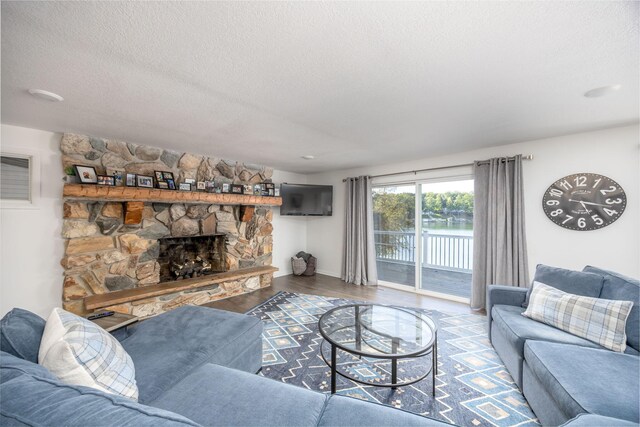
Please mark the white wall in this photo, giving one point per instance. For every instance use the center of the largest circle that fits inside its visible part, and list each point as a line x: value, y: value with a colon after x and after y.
x: 30, y: 241
x: 612, y: 152
x: 289, y: 232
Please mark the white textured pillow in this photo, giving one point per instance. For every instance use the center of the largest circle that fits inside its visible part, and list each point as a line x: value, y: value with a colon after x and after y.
x: 599, y: 320
x: 80, y: 352
x: 298, y: 265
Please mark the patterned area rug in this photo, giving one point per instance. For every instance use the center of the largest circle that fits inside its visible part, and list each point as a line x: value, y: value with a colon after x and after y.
x: 473, y: 388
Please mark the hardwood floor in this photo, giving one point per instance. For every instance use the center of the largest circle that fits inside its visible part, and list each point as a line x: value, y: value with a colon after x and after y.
x: 334, y: 287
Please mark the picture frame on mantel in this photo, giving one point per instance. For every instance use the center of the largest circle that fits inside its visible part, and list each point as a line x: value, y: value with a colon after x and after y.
x: 106, y: 180
x: 86, y: 174
x: 131, y: 180
x: 144, y: 181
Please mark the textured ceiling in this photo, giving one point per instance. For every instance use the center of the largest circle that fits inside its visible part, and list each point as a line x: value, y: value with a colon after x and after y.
x: 353, y: 83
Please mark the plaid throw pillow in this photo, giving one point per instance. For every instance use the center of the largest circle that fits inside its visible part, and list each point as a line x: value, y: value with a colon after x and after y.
x: 599, y: 320
x: 80, y: 352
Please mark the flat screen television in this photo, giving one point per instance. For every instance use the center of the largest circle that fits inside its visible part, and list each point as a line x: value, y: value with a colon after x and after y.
x: 306, y: 200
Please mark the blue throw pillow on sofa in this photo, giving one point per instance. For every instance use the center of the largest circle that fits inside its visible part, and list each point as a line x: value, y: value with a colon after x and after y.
x: 20, y: 334
x: 619, y: 287
x: 12, y: 366
x: 569, y: 281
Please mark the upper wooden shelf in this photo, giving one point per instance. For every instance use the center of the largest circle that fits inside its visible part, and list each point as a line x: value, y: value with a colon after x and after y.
x: 128, y: 194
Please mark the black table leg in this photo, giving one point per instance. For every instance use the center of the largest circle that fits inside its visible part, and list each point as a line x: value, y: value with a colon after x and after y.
x: 434, y: 368
x: 358, y: 329
x: 333, y: 369
x: 394, y: 363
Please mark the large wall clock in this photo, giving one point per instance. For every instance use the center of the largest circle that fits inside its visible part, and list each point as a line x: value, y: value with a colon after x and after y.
x: 584, y: 201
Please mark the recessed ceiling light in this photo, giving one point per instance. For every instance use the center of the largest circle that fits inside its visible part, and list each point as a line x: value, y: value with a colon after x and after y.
x: 602, y: 91
x: 308, y: 157
x: 44, y: 94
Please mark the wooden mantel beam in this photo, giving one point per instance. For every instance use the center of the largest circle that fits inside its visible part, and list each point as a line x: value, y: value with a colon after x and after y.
x: 138, y: 194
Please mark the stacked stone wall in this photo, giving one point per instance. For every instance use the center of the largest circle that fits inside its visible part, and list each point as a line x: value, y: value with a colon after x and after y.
x: 104, y: 255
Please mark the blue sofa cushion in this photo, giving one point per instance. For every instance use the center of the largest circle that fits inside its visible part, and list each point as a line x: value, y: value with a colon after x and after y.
x: 584, y: 379
x: 347, y: 411
x: 518, y: 329
x: 13, y: 366
x: 20, y: 334
x: 619, y: 287
x: 38, y: 401
x: 163, y: 353
x: 590, y: 420
x: 240, y: 399
x: 572, y: 282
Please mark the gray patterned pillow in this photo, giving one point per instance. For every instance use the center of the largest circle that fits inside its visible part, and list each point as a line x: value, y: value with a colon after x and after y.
x: 599, y: 320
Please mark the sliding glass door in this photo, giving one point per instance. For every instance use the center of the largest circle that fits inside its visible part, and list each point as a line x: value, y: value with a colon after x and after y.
x: 447, y: 238
x: 424, y: 236
x: 394, y: 222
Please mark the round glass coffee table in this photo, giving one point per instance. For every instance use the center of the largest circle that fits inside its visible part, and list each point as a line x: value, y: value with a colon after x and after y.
x: 384, y: 332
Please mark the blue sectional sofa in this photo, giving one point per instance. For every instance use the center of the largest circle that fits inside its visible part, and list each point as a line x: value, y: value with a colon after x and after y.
x: 562, y: 376
x: 194, y: 366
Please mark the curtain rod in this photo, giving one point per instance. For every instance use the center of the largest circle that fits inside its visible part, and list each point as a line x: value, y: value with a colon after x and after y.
x: 483, y: 162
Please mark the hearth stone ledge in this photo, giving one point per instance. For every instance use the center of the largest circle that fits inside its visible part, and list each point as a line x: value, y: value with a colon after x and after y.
x: 152, y: 306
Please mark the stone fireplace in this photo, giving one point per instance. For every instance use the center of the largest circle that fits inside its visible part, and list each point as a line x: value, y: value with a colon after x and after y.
x: 113, y: 262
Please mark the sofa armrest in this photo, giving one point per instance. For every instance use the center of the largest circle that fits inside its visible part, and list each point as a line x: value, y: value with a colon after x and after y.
x: 503, y: 295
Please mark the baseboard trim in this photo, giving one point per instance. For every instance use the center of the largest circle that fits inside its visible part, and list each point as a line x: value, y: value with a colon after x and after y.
x: 329, y: 273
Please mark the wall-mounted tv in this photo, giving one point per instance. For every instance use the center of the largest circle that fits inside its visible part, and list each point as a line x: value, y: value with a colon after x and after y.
x: 306, y: 200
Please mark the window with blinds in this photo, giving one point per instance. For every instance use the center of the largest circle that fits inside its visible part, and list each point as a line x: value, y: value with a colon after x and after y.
x: 15, y: 178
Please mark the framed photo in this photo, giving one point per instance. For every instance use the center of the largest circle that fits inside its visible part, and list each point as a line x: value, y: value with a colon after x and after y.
x: 167, y: 176
x: 190, y: 181
x: 257, y: 190
x: 144, y: 181
x: 210, y: 186
x: 86, y: 174
x: 163, y: 185
x: 226, y: 188
x: 106, y: 180
x: 276, y: 192
x: 248, y: 189
x: 271, y: 192
x: 201, y: 185
x: 237, y: 188
x: 185, y: 186
x: 172, y: 184
x: 117, y: 174
x: 131, y: 180
x: 159, y: 176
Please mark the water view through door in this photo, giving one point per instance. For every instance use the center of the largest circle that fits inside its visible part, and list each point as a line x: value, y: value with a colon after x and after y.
x: 439, y: 239
x: 394, y: 221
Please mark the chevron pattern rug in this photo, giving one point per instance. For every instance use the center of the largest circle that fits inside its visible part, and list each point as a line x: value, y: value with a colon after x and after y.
x: 473, y: 388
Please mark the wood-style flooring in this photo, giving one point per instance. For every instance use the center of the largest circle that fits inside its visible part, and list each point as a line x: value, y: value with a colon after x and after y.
x: 334, y: 287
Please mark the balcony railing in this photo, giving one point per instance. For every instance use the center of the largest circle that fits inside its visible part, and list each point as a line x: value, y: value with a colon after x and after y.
x: 444, y: 251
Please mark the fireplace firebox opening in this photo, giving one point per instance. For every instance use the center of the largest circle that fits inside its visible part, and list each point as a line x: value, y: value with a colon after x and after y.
x: 190, y: 257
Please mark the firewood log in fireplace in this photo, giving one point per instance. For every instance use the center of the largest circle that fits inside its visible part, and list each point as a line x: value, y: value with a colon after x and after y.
x: 191, y: 268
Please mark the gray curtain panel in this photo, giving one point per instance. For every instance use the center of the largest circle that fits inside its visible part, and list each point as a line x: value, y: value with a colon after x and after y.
x: 359, y: 258
x: 499, y: 241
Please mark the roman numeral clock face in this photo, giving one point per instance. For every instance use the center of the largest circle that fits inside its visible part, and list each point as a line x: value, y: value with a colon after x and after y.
x: 584, y: 201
